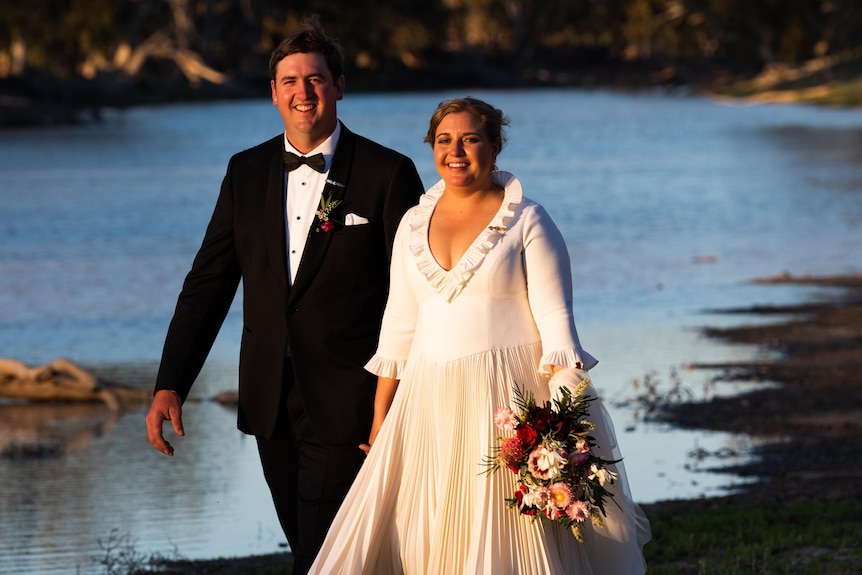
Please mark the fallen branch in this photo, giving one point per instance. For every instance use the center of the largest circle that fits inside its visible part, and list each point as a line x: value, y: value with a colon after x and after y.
x: 61, y: 380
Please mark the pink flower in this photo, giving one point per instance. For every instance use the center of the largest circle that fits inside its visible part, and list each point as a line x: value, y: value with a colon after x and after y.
x: 578, y: 511
x: 505, y: 419
x: 327, y: 226
x: 535, y: 497
x: 541, y: 495
x: 561, y: 495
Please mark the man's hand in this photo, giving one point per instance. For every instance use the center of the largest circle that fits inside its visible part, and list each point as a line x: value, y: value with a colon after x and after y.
x: 166, y: 406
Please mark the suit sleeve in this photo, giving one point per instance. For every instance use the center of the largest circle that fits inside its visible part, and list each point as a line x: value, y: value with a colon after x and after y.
x: 404, y: 191
x: 204, y: 301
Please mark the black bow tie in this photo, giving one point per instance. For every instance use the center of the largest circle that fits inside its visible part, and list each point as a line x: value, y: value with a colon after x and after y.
x: 315, y: 162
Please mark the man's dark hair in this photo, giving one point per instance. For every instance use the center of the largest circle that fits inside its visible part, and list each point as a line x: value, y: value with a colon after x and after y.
x: 310, y: 39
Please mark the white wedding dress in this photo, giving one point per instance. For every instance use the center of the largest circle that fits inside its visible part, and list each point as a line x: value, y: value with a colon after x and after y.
x: 459, y: 340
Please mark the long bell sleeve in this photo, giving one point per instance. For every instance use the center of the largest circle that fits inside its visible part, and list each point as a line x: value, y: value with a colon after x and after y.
x: 399, y: 318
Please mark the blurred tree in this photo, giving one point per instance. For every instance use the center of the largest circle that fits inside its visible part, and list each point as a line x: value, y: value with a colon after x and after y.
x: 751, y: 35
x: 65, y: 39
x: 195, y: 41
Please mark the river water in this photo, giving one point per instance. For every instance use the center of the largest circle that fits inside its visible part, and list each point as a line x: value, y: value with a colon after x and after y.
x: 670, y: 204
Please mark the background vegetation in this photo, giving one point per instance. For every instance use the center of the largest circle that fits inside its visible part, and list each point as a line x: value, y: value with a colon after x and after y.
x: 90, y: 53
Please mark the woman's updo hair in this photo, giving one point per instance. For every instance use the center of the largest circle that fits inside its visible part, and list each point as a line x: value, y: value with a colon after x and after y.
x: 491, y: 118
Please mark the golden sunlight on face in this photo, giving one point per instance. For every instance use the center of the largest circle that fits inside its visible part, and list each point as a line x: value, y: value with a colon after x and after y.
x: 306, y: 94
x: 463, y: 155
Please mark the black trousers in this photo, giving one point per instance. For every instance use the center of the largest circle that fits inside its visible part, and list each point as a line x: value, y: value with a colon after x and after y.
x: 307, y: 477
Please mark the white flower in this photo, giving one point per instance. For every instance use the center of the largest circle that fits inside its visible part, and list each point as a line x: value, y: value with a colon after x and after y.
x: 546, y: 463
x: 531, y: 497
x: 602, y: 474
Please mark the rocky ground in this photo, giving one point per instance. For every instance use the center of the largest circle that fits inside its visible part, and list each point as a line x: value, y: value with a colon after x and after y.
x: 811, y: 415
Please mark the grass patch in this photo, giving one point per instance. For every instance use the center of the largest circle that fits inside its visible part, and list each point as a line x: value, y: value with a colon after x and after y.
x: 699, y: 537
x: 815, y: 538
x: 846, y: 94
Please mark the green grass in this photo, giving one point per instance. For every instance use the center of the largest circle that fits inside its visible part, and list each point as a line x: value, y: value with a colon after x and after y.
x: 818, y: 538
x: 845, y: 94
x: 834, y: 80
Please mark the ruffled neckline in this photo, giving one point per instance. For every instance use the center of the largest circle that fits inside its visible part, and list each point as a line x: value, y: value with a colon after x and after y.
x: 450, y: 283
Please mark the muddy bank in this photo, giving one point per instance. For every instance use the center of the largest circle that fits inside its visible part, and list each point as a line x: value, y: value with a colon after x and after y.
x: 809, y: 415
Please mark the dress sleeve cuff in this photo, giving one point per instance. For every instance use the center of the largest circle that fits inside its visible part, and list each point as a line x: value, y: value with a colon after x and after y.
x: 385, y: 367
x: 577, y: 358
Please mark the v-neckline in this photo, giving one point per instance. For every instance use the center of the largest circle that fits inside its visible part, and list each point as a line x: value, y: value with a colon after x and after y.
x: 470, y: 247
x: 450, y: 282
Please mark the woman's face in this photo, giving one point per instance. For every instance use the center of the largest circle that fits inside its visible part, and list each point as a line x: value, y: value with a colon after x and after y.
x: 463, y: 155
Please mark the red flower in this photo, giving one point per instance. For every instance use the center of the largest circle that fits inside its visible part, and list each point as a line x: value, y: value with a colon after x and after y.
x: 561, y: 428
x: 543, y: 417
x: 512, y: 452
x: 527, y: 434
x: 327, y: 226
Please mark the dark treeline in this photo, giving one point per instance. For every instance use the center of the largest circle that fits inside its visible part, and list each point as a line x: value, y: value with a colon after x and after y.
x: 95, y: 53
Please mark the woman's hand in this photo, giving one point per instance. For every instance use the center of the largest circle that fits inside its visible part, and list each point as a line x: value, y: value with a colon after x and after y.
x: 386, y: 387
x: 375, y: 428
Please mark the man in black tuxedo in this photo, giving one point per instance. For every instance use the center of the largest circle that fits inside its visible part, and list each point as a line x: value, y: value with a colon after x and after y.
x: 312, y: 250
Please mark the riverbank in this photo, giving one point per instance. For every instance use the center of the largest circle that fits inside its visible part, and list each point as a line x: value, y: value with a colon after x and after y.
x: 38, y: 99
x: 808, y: 467
x: 809, y: 418
x: 801, y: 514
x: 827, y: 81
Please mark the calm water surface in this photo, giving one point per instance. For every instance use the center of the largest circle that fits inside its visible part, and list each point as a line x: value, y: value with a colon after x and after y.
x: 670, y: 205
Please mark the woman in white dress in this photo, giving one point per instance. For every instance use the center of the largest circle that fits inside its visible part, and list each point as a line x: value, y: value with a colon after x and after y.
x: 480, y: 300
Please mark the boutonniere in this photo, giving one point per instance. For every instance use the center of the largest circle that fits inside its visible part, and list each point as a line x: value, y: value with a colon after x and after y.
x: 324, y: 213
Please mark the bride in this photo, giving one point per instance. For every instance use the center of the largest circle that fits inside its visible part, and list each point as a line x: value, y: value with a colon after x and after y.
x: 480, y: 299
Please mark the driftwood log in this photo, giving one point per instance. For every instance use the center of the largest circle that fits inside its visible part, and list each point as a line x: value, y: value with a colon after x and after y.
x: 62, y: 380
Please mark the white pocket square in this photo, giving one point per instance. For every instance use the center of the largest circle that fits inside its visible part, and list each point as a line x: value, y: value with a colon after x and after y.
x: 354, y: 220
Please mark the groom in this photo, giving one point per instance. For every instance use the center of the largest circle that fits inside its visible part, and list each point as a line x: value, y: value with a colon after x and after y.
x: 306, y: 220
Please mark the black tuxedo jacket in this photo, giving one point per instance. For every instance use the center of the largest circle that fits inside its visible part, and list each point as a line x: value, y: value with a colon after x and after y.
x: 330, y: 317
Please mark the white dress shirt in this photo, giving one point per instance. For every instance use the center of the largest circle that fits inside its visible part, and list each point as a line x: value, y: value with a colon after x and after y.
x: 303, y: 187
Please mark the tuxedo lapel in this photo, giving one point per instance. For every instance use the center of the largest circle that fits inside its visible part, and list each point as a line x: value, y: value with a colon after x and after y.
x: 335, y: 189
x: 275, y: 214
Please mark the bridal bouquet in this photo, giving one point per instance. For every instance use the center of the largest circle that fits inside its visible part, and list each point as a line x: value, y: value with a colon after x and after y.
x: 550, y: 449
